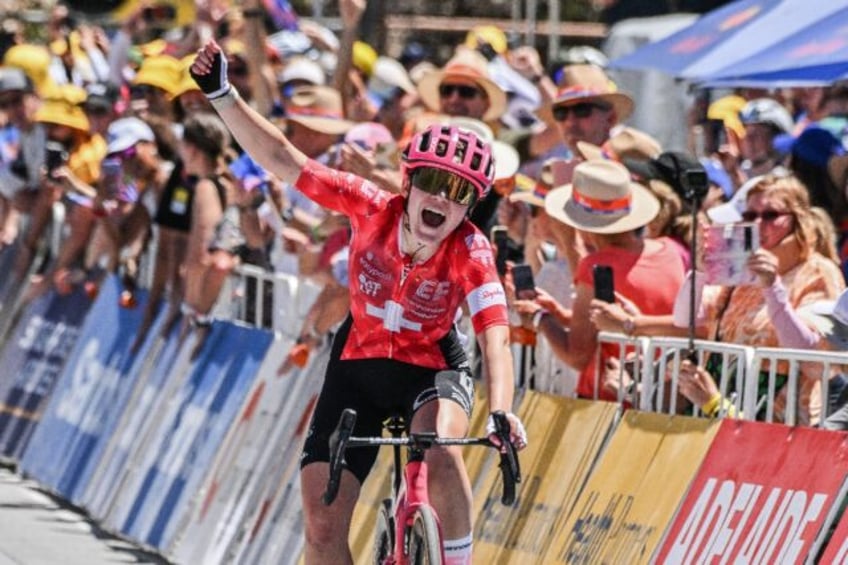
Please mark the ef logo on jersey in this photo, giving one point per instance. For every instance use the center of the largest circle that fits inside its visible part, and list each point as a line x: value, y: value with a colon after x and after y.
x: 433, y: 290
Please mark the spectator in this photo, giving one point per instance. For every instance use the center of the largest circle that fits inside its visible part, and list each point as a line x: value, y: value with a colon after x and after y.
x: 154, y: 85
x: 764, y: 120
x: 790, y: 273
x: 21, y: 179
x: 214, y: 238
x: 123, y: 226
x: 609, y: 211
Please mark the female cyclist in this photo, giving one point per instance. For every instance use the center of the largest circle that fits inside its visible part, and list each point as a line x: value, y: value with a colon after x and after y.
x: 414, y: 258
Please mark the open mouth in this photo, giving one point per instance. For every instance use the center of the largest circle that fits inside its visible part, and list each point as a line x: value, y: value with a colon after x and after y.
x: 432, y: 219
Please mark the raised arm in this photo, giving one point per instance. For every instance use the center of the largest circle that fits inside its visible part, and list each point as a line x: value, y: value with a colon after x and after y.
x: 260, y: 138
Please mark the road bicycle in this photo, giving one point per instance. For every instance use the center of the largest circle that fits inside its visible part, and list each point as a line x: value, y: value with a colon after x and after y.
x: 408, y: 530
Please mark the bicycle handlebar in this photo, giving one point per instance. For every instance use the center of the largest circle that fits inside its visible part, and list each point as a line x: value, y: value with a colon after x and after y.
x: 341, y: 439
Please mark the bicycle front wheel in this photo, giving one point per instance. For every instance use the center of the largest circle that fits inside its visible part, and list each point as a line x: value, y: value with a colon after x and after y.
x: 425, y: 542
x: 384, y: 535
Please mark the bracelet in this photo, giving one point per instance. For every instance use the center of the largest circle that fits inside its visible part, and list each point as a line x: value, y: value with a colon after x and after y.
x: 536, y: 79
x: 537, y: 318
x: 225, y: 100
x: 629, y: 325
x: 712, y: 406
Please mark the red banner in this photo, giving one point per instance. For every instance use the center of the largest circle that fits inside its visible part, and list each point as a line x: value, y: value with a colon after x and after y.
x: 837, y: 550
x: 763, y: 495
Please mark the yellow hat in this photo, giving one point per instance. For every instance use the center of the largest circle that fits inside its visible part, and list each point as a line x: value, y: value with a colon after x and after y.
x: 62, y: 106
x: 487, y: 34
x: 186, y: 83
x: 161, y: 71
x: 364, y: 57
x: 153, y: 48
x: 727, y: 109
x: 34, y: 60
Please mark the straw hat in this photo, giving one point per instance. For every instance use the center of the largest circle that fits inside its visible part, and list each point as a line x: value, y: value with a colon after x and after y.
x: 468, y: 65
x: 554, y: 173
x: 588, y: 83
x: 602, y: 199
x: 62, y: 106
x: 629, y: 143
x: 318, y: 108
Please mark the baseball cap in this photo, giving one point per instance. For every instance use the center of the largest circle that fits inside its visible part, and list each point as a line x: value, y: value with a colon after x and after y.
x: 12, y: 78
x: 766, y: 111
x: 101, y: 95
x: 302, y: 69
x: 126, y: 132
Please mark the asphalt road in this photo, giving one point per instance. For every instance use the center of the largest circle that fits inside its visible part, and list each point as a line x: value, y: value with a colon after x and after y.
x: 38, y: 529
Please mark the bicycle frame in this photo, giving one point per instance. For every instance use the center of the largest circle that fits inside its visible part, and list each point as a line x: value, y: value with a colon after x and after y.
x: 410, y: 498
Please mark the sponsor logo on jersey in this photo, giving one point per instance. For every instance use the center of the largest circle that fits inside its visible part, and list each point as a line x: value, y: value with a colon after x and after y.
x: 485, y: 296
x: 480, y: 249
x: 368, y: 286
x: 433, y: 290
x: 367, y: 264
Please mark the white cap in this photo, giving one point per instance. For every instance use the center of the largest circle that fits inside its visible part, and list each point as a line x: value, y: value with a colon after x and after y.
x: 126, y: 132
x: 304, y: 69
x: 388, y: 76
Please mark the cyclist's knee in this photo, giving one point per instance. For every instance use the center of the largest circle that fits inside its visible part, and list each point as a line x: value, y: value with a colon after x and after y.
x: 445, y: 459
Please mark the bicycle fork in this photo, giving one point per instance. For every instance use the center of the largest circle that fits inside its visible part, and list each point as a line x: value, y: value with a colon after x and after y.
x: 412, y: 494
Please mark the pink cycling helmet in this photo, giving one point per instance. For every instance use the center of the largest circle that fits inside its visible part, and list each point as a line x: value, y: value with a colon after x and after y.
x: 455, y: 150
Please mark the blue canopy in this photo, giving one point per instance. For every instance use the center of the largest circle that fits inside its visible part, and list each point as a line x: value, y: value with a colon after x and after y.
x: 815, y: 55
x: 732, y: 33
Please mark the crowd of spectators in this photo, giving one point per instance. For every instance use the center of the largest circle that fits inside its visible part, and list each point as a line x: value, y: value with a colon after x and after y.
x: 106, y: 123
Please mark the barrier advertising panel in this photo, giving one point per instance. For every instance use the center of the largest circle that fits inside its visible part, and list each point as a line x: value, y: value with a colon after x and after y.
x: 32, y: 359
x: 89, y: 397
x: 193, y: 428
x: 632, y: 493
x: 764, y: 494
x: 565, y: 437
x: 836, y: 551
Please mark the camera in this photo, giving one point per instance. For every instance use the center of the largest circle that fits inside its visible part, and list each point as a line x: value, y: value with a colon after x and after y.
x: 695, y: 183
x: 55, y: 157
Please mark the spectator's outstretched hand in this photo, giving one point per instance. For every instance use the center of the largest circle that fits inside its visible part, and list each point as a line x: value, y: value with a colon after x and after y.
x: 209, y: 70
x: 696, y: 384
x: 351, y: 11
x: 763, y: 263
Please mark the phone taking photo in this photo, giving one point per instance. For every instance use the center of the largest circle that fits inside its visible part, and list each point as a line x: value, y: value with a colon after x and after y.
x: 522, y: 278
x: 603, y: 281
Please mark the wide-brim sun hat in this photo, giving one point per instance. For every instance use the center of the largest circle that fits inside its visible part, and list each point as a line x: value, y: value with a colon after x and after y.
x: 602, y: 199
x: 465, y: 65
x: 160, y: 71
x: 62, y: 106
x: 318, y: 108
x: 629, y: 143
x: 588, y: 83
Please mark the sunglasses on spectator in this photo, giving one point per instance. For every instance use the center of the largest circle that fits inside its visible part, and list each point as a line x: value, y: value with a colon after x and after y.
x: 465, y: 91
x: 142, y: 90
x: 582, y: 110
x: 436, y: 181
x: 766, y: 216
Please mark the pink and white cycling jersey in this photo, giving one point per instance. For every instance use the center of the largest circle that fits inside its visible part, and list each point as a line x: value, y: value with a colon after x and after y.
x: 401, y: 309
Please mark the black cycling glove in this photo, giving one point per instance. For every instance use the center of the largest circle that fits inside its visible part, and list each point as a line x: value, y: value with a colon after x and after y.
x: 214, y: 84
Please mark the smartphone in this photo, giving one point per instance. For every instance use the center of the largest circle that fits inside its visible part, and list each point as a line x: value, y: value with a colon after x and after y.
x: 55, y: 156
x: 500, y: 240
x: 716, y: 135
x: 604, y: 287
x: 522, y: 277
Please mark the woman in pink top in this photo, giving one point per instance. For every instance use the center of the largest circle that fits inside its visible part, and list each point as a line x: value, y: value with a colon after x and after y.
x: 610, y: 212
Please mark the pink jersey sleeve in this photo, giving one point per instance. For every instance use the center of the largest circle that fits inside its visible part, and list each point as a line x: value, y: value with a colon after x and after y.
x: 484, y: 292
x: 341, y: 191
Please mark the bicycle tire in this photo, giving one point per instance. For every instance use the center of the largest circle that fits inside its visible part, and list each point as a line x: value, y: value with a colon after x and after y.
x: 425, y: 540
x: 384, y: 534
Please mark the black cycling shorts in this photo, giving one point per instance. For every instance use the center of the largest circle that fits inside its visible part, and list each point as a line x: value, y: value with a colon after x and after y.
x: 378, y: 389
